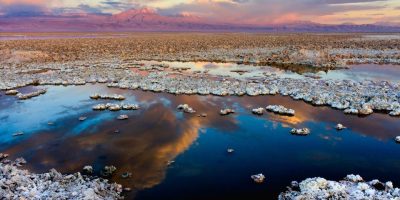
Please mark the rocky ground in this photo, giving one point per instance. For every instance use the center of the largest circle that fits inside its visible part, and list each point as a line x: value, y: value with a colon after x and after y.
x: 16, y: 183
x: 319, y: 50
x: 352, y: 187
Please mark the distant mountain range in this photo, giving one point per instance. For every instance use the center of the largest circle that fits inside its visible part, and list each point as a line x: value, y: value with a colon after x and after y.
x: 149, y: 20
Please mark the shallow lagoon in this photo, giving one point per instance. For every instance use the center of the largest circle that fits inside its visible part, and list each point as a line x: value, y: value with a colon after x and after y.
x: 158, y: 133
x: 359, y: 72
x: 46, y: 36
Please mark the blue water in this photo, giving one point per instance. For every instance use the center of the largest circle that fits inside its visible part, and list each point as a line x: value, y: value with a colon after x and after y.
x: 158, y: 133
x: 206, y: 171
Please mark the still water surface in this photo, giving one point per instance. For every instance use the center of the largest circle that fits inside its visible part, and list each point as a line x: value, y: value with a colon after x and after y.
x: 158, y: 133
x: 358, y: 72
x: 44, y: 36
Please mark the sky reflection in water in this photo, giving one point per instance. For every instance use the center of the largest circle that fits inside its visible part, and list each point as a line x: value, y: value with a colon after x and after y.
x: 354, y: 72
x: 158, y: 133
x: 41, y: 36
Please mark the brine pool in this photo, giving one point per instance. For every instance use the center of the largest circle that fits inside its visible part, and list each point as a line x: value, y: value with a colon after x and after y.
x: 359, y: 72
x: 158, y: 133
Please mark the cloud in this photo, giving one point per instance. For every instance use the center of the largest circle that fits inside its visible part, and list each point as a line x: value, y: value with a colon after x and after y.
x: 89, y: 9
x: 119, y: 5
x: 269, y: 11
x: 22, y: 10
x: 102, y: 7
x: 348, y: 1
x: 259, y: 12
x: 22, y: 2
x: 240, y: 1
x: 81, y: 8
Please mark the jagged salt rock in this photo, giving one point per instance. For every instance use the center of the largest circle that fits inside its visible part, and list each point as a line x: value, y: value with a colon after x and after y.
x: 3, y: 155
x: 362, y: 186
x: 106, y: 96
x: 95, y: 96
x: 118, y: 97
x: 31, y: 95
x: 258, y: 178
x: 88, y: 169
x: 226, y: 111
x: 99, y: 107
x: 351, y: 111
x: 107, y: 171
x: 354, y: 178
x: 279, y: 109
x: 389, y: 184
x: 122, y: 117
x: 397, y: 139
x: 395, y: 112
x: 258, y: 111
x: 352, y: 187
x: 170, y: 162
x: 11, y: 92
x: 114, y: 107
x: 186, y: 108
x: 301, y: 131
x: 340, y: 127
x: 20, y: 161
x: 18, y: 133
x: 130, y: 107
x: 366, y: 109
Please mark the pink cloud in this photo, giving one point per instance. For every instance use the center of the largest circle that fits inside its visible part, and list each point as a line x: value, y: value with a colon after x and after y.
x: 28, y: 2
x: 289, y: 17
x: 250, y: 12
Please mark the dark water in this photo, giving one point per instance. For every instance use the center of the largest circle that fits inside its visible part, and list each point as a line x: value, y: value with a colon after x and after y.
x: 158, y: 133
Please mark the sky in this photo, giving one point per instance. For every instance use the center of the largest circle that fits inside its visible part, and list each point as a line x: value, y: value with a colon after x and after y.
x: 257, y: 12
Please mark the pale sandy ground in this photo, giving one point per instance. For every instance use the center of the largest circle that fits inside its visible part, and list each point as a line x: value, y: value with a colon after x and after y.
x: 320, y: 50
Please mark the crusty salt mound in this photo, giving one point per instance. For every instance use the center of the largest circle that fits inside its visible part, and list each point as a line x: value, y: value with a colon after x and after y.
x: 352, y: 187
x: 16, y: 183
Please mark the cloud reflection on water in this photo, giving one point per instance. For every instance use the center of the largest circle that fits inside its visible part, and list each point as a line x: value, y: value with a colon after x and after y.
x: 158, y: 133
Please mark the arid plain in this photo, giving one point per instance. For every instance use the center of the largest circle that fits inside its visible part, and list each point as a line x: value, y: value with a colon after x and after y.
x: 197, y: 115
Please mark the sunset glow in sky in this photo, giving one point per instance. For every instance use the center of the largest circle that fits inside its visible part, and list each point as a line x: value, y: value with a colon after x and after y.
x: 229, y: 11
